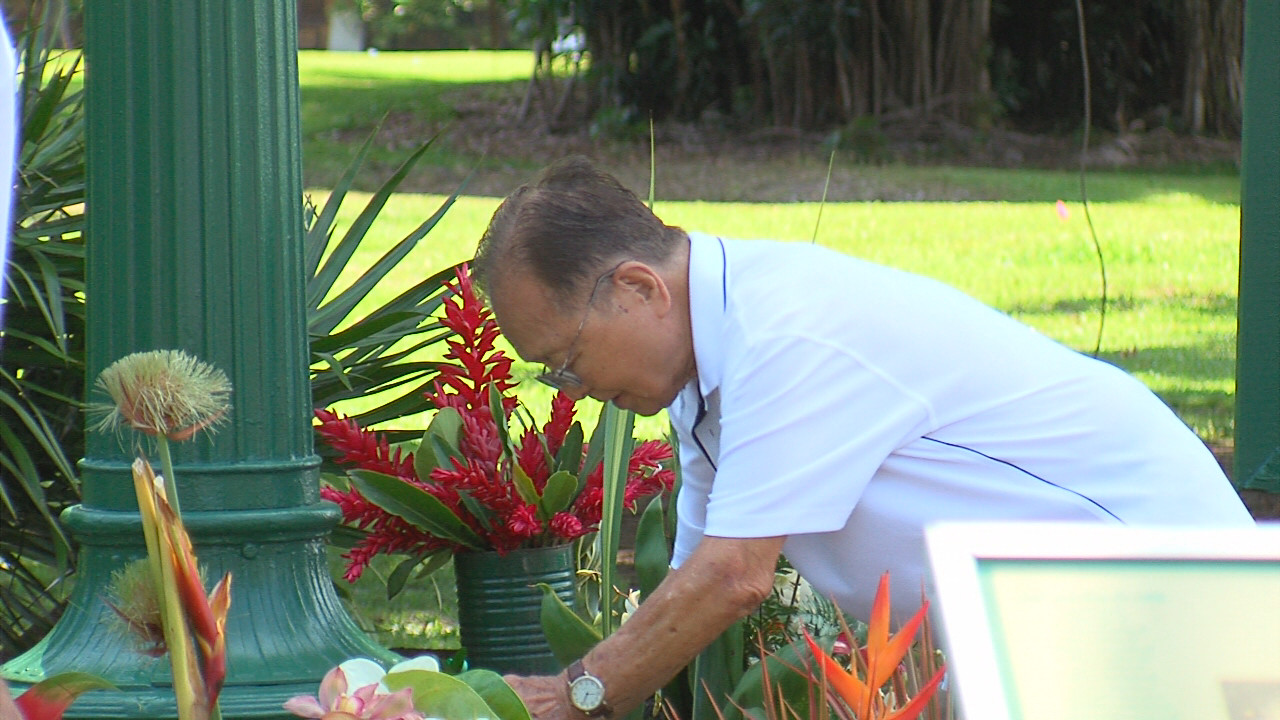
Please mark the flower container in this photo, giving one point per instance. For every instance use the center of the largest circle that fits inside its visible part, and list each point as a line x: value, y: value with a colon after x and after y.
x: 500, y: 606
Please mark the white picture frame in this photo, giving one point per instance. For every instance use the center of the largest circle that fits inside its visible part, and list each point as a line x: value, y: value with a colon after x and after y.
x: 1052, y: 620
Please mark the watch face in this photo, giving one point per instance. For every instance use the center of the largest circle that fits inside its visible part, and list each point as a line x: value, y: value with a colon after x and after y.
x: 587, y: 693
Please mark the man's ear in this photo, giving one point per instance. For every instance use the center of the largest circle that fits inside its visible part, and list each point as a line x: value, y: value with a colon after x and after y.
x: 645, y: 283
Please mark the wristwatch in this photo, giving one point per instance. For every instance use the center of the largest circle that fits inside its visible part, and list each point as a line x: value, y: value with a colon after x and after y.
x: 586, y: 692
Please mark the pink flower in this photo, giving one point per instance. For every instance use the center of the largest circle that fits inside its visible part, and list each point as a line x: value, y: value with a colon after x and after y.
x: 366, y: 703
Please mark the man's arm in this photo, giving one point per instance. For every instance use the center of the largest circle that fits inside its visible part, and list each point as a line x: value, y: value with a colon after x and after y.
x: 725, y: 579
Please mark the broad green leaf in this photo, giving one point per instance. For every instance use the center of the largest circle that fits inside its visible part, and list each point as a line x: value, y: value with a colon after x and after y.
x: 674, y: 443
x: 570, y: 455
x: 495, y: 691
x: 437, y: 695
x: 524, y: 485
x: 444, y: 432
x: 652, y: 553
x: 558, y: 492
x: 415, y: 505
x: 441, y: 449
x: 569, y: 636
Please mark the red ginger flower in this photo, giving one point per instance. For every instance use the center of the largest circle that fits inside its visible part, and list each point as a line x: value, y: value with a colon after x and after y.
x: 361, y: 448
x: 479, y: 488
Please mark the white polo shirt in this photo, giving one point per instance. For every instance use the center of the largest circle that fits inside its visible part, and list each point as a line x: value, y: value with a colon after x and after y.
x: 848, y: 405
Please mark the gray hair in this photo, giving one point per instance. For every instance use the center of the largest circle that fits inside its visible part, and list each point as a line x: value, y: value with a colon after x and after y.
x: 567, y: 227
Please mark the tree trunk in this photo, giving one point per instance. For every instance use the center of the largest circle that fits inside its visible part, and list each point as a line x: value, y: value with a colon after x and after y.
x: 1212, y: 89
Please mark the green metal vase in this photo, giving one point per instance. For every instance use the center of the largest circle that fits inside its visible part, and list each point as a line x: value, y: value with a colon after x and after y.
x: 500, y: 606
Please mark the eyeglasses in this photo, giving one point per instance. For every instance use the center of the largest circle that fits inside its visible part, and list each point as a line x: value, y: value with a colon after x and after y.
x: 562, y: 378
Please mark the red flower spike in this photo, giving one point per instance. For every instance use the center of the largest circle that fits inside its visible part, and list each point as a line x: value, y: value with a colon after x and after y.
x: 482, y: 477
x: 362, y: 448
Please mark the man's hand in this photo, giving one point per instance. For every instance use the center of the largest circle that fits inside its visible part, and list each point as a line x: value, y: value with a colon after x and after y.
x: 724, y: 580
x: 546, y: 696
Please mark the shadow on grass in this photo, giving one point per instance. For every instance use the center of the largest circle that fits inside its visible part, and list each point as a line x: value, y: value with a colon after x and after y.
x: 1222, y: 304
x: 1210, y: 360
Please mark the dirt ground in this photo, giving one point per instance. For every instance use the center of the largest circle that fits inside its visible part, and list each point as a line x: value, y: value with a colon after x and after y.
x: 714, y: 161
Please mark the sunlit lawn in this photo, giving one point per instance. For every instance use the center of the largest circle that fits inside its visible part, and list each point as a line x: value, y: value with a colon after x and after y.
x: 1171, y: 268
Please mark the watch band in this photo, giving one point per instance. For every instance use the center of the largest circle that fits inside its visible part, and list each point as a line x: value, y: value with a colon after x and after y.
x: 580, y: 679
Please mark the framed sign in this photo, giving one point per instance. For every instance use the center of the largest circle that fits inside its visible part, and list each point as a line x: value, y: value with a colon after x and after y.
x: 1050, y: 621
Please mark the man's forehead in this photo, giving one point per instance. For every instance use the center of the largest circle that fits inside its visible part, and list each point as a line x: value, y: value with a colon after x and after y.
x: 527, y: 316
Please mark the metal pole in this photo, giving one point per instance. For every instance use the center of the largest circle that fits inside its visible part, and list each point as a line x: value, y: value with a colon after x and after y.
x: 1257, y: 459
x: 194, y: 210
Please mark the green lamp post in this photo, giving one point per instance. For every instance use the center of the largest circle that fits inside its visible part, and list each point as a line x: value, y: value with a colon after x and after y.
x: 194, y: 209
x: 1257, y: 460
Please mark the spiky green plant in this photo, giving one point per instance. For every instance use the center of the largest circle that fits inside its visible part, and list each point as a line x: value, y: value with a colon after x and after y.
x: 42, y: 351
x: 378, y: 352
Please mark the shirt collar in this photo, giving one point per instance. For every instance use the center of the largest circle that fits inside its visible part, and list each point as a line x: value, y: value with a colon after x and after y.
x: 708, y: 305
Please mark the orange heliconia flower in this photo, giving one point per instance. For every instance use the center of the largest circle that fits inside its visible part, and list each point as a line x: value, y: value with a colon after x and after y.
x: 884, y: 654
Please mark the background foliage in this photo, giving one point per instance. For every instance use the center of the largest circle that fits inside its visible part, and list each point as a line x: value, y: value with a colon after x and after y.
x: 42, y: 356
x: 803, y: 64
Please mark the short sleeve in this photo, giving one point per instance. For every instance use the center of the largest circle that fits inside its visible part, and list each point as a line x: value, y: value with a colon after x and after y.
x: 805, y: 424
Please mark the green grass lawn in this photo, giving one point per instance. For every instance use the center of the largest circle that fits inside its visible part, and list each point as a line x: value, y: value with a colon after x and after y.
x: 344, y: 96
x: 1171, y: 262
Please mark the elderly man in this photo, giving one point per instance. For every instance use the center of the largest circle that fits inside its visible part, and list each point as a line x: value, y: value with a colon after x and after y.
x: 827, y: 408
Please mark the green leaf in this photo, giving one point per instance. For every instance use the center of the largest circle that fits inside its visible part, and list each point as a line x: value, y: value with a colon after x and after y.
x: 341, y: 306
x: 446, y: 430
x: 569, y: 636
x: 524, y: 485
x: 595, y: 448
x: 652, y: 552
x: 570, y: 455
x: 717, y: 671
x: 400, y: 575
x: 414, y: 505
x: 479, y: 510
x: 500, y: 421
x: 403, y: 571
x: 495, y: 691
x: 558, y: 492
x: 363, y: 330
x: 618, y: 443
x: 784, y: 679
x: 437, y: 695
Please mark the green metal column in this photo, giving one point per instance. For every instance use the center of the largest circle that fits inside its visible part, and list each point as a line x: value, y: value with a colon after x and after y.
x: 1257, y: 461
x: 195, y: 242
